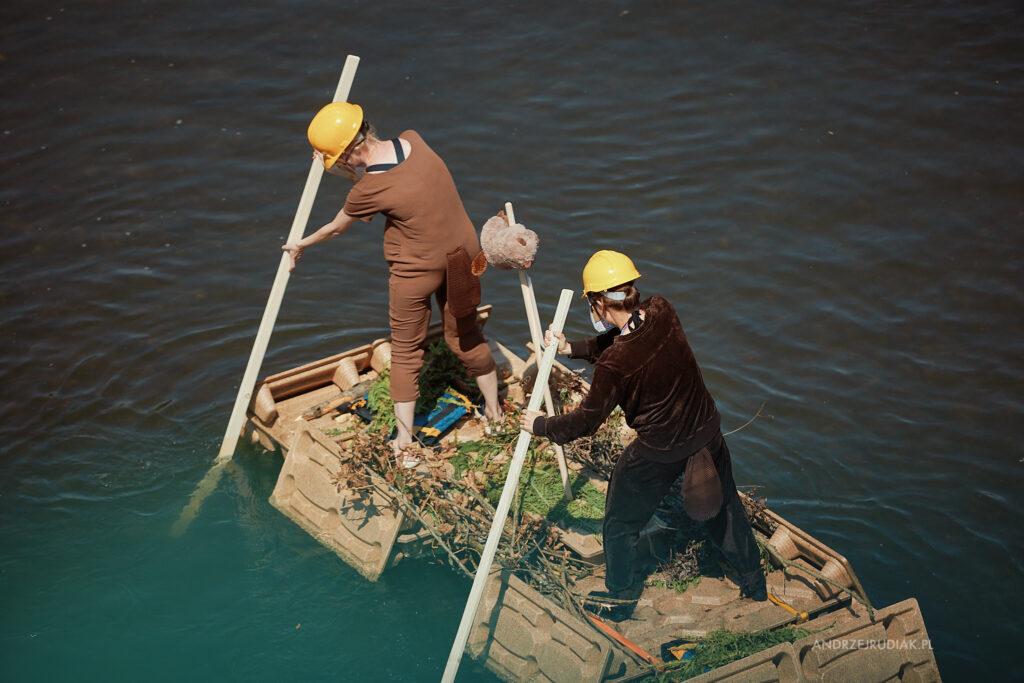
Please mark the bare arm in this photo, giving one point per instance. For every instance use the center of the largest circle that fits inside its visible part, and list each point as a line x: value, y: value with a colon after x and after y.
x: 340, y: 224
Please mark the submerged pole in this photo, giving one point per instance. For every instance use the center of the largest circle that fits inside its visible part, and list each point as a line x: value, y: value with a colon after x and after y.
x: 259, y: 348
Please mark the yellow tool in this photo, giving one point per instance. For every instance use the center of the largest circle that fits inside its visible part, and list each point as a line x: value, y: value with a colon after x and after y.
x: 678, y: 649
x: 801, y: 616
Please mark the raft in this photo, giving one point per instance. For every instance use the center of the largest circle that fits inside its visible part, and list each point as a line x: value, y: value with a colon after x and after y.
x: 819, y: 624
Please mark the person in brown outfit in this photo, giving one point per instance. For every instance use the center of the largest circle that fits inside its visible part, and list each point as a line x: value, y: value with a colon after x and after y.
x: 643, y: 363
x: 429, y: 243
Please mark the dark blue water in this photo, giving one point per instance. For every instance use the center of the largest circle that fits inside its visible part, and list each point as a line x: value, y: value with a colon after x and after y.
x: 832, y: 195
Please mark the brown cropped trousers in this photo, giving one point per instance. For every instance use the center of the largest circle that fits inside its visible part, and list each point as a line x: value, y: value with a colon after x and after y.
x: 409, y: 309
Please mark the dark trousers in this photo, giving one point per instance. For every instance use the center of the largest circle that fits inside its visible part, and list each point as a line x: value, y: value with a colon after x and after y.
x: 636, y: 489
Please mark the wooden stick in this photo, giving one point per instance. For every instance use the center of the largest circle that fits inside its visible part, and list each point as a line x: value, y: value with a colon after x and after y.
x: 507, y: 494
x: 625, y: 642
x: 533, y: 317
x: 259, y: 348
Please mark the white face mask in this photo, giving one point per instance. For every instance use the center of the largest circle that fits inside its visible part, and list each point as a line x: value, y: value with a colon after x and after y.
x: 600, y: 325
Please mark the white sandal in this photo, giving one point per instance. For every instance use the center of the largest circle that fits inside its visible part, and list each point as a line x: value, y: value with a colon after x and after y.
x: 406, y: 459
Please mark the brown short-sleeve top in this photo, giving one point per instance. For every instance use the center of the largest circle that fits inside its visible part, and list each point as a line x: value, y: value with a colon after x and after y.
x: 425, y: 217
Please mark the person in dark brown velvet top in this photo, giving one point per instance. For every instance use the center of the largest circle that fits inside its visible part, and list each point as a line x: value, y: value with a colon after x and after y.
x: 644, y: 363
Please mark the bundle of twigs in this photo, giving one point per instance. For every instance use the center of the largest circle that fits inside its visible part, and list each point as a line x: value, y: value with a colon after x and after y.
x: 455, y: 509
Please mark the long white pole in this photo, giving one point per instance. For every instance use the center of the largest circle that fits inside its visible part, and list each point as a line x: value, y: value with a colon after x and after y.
x: 259, y: 348
x: 533, y: 317
x: 507, y: 494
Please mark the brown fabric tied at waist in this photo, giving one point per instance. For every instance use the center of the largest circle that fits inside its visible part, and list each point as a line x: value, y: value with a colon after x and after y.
x: 463, y: 290
x: 702, y: 488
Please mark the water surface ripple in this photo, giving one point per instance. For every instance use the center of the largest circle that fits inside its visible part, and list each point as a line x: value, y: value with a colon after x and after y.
x: 830, y: 193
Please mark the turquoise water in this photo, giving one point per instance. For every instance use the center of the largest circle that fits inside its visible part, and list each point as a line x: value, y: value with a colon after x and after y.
x: 831, y: 194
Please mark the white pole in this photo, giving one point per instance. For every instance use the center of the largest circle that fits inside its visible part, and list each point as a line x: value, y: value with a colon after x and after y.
x: 533, y: 317
x: 259, y: 348
x: 507, y: 493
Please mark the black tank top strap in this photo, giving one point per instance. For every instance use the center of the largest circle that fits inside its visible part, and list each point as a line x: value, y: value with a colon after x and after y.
x: 634, y: 320
x: 399, y: 155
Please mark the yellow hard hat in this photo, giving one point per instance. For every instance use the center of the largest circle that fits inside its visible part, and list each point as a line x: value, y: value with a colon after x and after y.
x: 334, y: 128
x: 607, y: 269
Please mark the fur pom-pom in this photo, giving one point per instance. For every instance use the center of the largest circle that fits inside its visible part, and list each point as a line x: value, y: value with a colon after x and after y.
x: 507, y: 246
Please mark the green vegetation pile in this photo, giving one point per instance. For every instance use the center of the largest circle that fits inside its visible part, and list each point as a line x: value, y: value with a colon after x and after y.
x: 540, y: 489
x: 442, y: 372
x: 453, y: 493
x: 487, y: 461
x: 719, y: 648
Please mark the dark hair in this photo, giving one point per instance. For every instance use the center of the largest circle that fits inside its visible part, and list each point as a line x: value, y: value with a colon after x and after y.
x: 631, y: 301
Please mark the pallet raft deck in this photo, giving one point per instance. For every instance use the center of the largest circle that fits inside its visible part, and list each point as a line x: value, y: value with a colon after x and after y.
x: 521, y: 633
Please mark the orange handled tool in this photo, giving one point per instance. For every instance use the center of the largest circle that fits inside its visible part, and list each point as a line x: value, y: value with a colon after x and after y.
x: 625, y: 642
x: 801, y: 616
